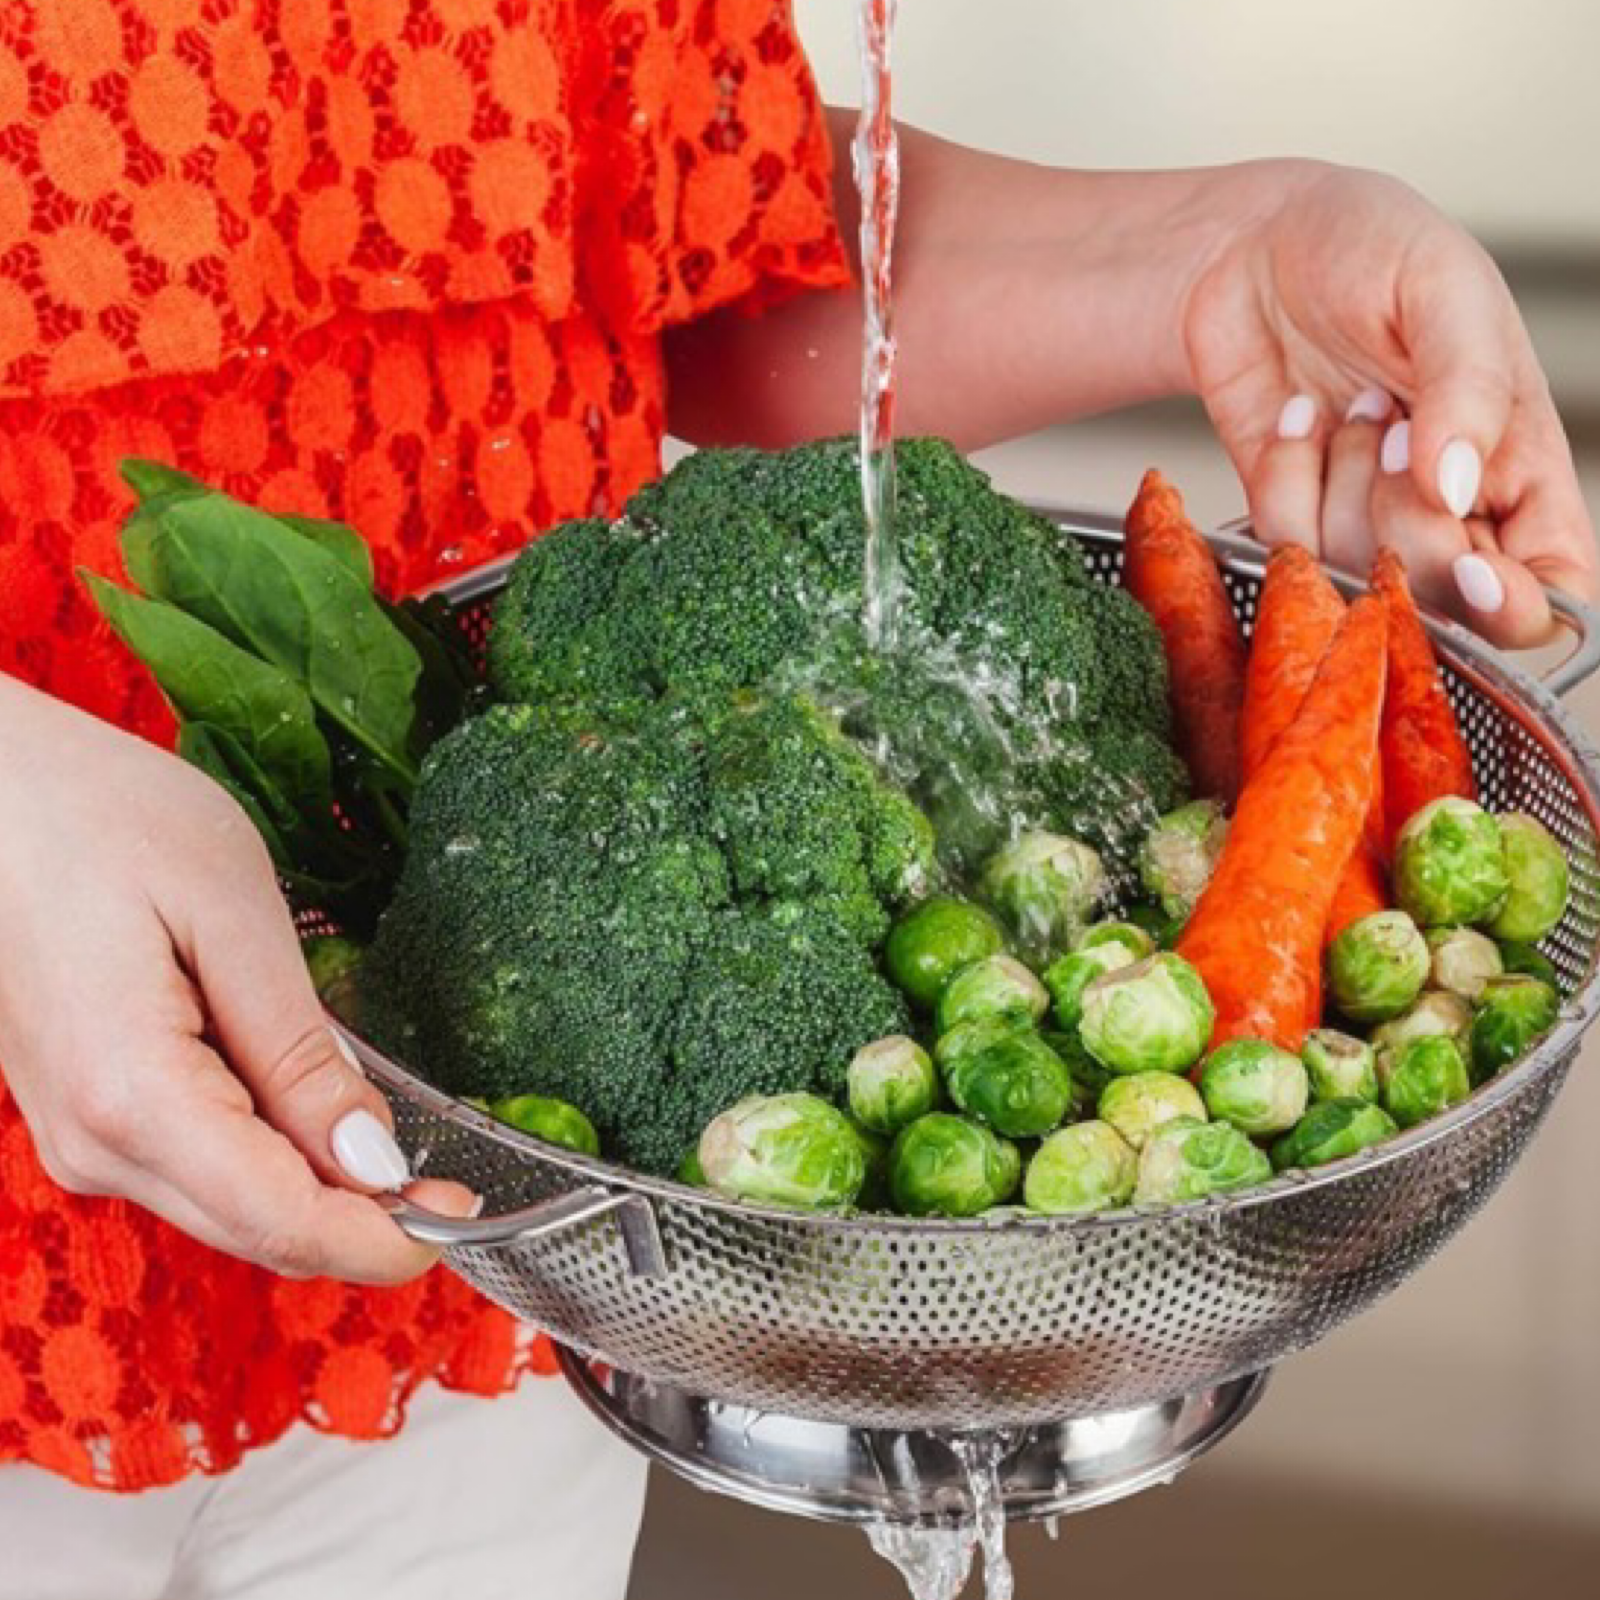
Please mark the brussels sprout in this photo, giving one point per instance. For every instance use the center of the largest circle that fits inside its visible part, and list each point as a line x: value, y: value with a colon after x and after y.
x: 1256, y: 1086
x: 1540, y: 881
x: 1437, y: 1015
x: 944, y: 1165
x: 1087, y: 1167
x: 891, y: 1082
x: 1450, y: 864
x: 1531, y: 963
x: 1189, y: 1160
x: 997, y: 986
x: 1461, y: 961
x: 554, y: 1121
x: 1426, y: 1077
x: 1163, y: 929
x: 1017, y: 1085
x: 1138, y: 1105
x: 1154, y: 1016
x: 1046, y: 887
x: 1339, y: 1067
x: 334, y: 964
x: 784, y: 1149
x: 933, y: 941
x: 1512, y: 1013
x: 1128, y: 935
x: 1377, y: 966
x: 1089, y: 1078
x: 1332, y: 1130
x: 972, y: 1038
x: 690, y: 1171
x: 1068, y: 976
x: 1179, y: 854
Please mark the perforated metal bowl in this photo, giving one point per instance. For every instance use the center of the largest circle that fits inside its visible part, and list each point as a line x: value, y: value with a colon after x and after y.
x: 883, y: 1322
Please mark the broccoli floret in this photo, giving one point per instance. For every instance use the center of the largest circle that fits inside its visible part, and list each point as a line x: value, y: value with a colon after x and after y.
x: 579, y: 883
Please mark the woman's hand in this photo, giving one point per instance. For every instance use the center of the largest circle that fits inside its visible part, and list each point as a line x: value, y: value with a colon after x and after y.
x: 1339, y: 298
x: 157, y: 1027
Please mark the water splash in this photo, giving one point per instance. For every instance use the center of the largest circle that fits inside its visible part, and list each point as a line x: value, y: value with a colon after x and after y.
x: 981, y: 1454
x: 935, y: 1562
x: 875, y: 157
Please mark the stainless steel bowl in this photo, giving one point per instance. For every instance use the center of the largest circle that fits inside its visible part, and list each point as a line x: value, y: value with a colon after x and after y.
x: 898, y: 1324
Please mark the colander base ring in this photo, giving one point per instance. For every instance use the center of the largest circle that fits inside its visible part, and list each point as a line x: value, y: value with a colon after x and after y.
x: 835, y: 1473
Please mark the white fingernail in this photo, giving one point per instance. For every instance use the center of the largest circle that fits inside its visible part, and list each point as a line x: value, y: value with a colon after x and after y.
x: 1479, y: 584
x: 1395, y: 455
x: 366, y: 1150
x: 1460, y: 476
x: 1371, y: 405
x: 476, y: 1208
x: 1298, y: 417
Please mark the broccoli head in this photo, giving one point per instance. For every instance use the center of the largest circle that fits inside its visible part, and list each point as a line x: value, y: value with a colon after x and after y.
x: 649, y: 910
x: 1021, y: 694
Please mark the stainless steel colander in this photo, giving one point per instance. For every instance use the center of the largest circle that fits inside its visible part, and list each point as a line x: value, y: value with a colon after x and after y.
x: 890, y: 1323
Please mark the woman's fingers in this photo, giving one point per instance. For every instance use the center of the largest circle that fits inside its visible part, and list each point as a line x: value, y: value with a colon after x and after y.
x: 1348, y: 537
x: 1462, y: 332
x: 1285, y: 488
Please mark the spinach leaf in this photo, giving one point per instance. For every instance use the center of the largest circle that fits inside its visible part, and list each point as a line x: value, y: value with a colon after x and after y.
x: 153, y: 480
x: 210, y: 679
x: 343, y: 544
x: 289, y: 601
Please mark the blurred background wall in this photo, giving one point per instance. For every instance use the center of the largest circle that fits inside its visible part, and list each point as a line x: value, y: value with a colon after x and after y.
x: 1449, y: 1442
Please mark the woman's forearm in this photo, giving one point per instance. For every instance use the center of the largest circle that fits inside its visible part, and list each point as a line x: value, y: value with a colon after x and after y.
x: 1024, y: 295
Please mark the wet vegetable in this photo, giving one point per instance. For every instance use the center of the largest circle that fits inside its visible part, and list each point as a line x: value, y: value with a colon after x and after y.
x: 1143, y: 1102
x: 945, y: 1165
x: 1539, y: 879
x: 1331, y: 1131
x: 1512, y: 1013
x: 1016, y: 1085
x: 1450, y: 864
x: 1531, y: 963
x: 549, y: 1119
x: 1462, y: 960
x: 1046, y: 887
x: 1087, y: 1167
x: 1426, y: 1077
x: 1154, y: 1016
x: 784, y: 1149
x: 1068, y: 976
x: 1188, y: 1161
x: 934, y: 941
x: 890, y: 1083
x: 1435, y: 1015
x: 997, y: 986
x: 1179, y: 854
x: 1256, y: 1086
x: 1377, y: 967
x: 1339, y: 1067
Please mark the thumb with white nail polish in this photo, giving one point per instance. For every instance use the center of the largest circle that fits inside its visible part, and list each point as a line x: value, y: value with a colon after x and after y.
x: 366, y: 1151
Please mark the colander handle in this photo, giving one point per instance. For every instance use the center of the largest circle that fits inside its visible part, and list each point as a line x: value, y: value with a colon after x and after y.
x: 636, y: 1218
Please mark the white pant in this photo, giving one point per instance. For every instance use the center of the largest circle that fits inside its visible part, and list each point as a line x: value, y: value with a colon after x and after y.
x: 521, y: 1498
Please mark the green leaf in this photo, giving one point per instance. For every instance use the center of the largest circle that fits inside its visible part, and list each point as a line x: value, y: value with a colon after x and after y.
x: 289, y: 601
x: 152, y: 480
x: 448, y: 675
x: 344, y: 544
x: 206, y: 748
x: 211, y: 680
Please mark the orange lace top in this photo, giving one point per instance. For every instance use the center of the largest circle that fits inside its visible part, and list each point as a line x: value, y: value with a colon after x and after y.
x: 403, y: 262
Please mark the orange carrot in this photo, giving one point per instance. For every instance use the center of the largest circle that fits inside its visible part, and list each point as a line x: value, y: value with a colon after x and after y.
x: 1424, y: 755
x: 1297, y: 615
x: 1256, y: 935
x: 1363, y: 889
x: 1173, y: 575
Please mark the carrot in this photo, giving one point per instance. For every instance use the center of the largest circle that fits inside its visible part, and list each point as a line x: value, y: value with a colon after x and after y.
x: 1297, y: 615
x: 1424, y: 755
x: 1171, y: 572
x: 1256, y: 935
x: 1363, y: 889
